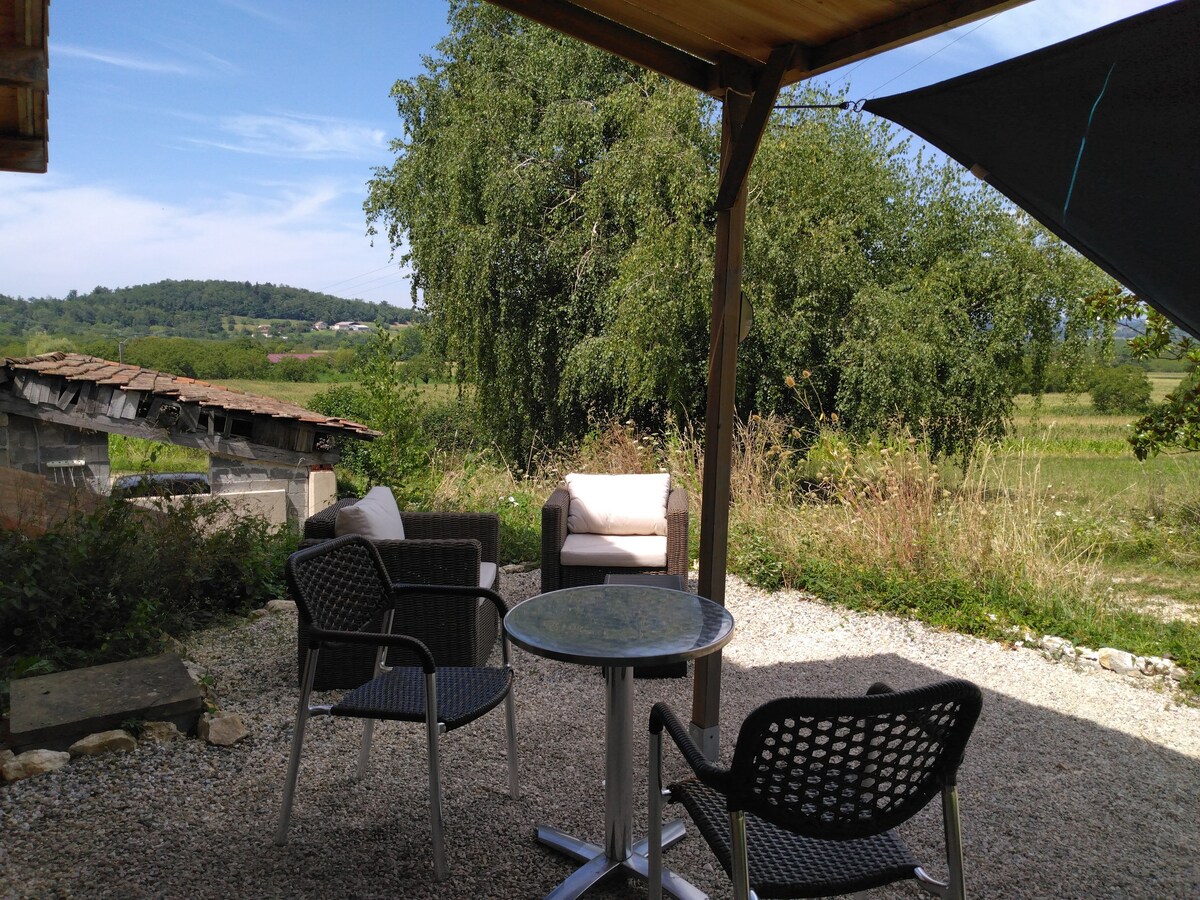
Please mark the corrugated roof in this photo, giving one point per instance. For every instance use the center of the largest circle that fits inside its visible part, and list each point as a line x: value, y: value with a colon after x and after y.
x: 78, y: 367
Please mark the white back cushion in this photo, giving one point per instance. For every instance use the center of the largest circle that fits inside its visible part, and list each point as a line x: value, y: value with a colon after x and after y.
x: 618, y: 504
x: 375, y: 516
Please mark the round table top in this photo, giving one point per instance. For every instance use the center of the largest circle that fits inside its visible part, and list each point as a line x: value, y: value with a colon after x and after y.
x: 619, y: 625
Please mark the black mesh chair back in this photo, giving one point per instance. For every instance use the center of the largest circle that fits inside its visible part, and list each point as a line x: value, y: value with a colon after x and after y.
x: 344, y: 598
x: 849, y: 767
x: 817, y: 785
x: 340, y: 589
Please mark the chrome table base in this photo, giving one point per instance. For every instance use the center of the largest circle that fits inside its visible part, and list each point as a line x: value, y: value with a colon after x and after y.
x: 597, y: 864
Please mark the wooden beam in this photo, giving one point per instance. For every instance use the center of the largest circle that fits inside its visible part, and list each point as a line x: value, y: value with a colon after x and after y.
x: 741, y: 154
x: 22, y: 154
x: 903, y: 29
x: 24, y: 67
x: 224, y: 446
x: 617, y: 39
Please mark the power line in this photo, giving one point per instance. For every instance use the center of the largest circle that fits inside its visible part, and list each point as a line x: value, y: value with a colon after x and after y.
x: 353, y: 277
x: 871, y: 93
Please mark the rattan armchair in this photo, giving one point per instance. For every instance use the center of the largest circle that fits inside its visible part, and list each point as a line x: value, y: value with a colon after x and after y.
x: 556, y: 574
x: 816, y: 787
x: 343, y: 596
x: 439, y: 548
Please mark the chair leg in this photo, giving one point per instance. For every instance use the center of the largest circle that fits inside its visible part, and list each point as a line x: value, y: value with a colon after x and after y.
x: 741, y: 863
x: 954, y: 855
x: 293, y: 770
x: 655, y: 806
x: 432, y: 732
x: 364, y: 748
x: 510, y: 730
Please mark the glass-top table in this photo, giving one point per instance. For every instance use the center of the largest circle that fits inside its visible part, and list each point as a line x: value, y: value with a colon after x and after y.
x: 617, y: 627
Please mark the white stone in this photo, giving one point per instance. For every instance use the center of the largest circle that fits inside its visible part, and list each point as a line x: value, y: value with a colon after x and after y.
x: 1178, y: 674
x: 224, y: 729
x: 281, y: 606
x: 34, y: 762
x: 195, y: 670
x: 1057, y: 647
x: 1087, y: 653
x: 1117, y: 661
x: 512, y: 569
x: 117, y: 741
x: 160, y: 732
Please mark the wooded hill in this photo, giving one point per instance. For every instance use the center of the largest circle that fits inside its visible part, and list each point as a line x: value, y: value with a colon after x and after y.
x: 184, y: 308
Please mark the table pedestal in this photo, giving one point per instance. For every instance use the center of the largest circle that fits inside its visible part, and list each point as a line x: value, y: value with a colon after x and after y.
x: 618, y: 851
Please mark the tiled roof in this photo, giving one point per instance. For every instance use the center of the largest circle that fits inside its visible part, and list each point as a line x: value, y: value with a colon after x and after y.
x: 77, y: 367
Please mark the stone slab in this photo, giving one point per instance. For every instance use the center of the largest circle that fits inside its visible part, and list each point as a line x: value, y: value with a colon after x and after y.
x: 53, y: 711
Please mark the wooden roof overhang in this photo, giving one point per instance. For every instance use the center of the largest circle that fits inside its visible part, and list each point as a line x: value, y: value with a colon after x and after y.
x: 741, y: 52
x: 99, y: 395
x: 24, y: 85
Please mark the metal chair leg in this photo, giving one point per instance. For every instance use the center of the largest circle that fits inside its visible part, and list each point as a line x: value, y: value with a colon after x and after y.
x: 364, y: 748
x: 293, y: 770
x: 741, y: 866
x: 655, y: 807
x: 510, y: 729
x: 432, y: 731
x: 954, y: 855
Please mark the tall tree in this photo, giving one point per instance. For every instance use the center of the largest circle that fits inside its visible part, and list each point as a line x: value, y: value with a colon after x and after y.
x: 555, y: 204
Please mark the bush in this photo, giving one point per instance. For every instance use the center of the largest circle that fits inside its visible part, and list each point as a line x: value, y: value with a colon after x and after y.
x: 1120, y: 389
x: 115, y: 583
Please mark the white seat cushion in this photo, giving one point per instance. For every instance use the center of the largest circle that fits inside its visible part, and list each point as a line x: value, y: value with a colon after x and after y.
x: 618, y: 504
x: 487, y: 574
x: 375, y: 517
x: 616, y: 550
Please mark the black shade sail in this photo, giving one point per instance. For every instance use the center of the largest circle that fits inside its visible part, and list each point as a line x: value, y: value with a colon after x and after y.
x: 1098, y: 137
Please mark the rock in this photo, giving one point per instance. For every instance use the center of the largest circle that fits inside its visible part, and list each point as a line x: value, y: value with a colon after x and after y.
x: 512, y: 569
x: 281, y: 606
x: 1057, y: 647
x: 258, y: 613
x: 224, y: 730
x: 1118, y: 661
x: 160, y: 732
x: 34, y: 762
x: 195, y: 670
x: 1087, y: 653
x: 117, y: 741
x: 1177, y: 674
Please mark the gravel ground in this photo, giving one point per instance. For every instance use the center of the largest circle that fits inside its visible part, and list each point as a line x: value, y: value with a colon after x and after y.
x: 1075, y: 784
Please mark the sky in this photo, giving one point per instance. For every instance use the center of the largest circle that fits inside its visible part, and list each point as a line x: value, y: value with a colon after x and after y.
x: 233, y: 139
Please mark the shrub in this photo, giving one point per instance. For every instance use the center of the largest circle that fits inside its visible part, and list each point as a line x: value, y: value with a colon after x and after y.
x: 1120, y: 389
x: 113, y: 584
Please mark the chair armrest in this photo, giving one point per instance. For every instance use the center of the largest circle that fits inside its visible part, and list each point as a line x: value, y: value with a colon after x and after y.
x: 713, y: 776
x: 453, y: 590
x: 554, y: 535
x: 481, y: 527
x: 678, y: 557
x: 431, y: 561
x: 318, y: 636
x: 879, y: 687
x: 321, y: 525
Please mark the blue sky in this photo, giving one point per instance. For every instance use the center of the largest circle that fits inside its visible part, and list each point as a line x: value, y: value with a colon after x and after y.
x: 233, y: 139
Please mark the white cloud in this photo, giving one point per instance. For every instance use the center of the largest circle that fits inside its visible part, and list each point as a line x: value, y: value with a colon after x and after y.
x: 59, y: 237
x: 306, y: 136
x: 123, y: 60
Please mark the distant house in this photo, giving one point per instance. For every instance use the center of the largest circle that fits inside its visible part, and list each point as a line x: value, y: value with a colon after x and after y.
x: 320, y: 326
x: 276, y: 357
x: 350, y: 326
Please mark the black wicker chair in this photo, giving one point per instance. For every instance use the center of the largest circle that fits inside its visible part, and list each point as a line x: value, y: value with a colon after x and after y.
x: 341, y: 589
x: 816, y: 787
x: 439, y: 548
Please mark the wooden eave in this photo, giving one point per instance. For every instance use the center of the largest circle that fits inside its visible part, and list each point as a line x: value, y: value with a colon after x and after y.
x: 24, y: 85
x: 688, y: 40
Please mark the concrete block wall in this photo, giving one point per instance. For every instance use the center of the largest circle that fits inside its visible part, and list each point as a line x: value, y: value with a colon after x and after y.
x: 237, y: 476
x: 50, y: 450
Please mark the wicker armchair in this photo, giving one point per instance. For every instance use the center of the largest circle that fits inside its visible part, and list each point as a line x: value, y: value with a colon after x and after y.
x: 556, y: 574
x: 438, y: 548
x: 817, y: 785
x: 343, y: 597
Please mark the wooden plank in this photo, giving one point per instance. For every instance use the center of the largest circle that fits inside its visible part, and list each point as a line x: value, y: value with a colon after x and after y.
x: 70, y: 390
x: 23, y: 154
x: 617, y: 39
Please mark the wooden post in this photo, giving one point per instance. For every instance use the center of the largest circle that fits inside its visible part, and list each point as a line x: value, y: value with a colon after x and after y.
x: 745, y: 112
